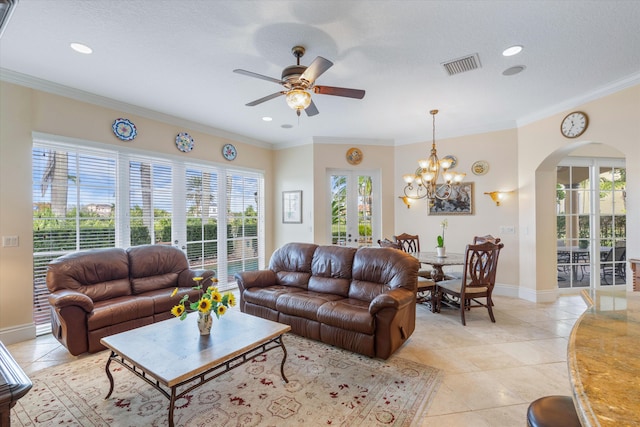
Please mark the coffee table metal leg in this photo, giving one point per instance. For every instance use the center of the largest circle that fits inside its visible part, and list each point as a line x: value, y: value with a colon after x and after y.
x: 284, y: 358
x: 109, y: 374
x: 172, y: 405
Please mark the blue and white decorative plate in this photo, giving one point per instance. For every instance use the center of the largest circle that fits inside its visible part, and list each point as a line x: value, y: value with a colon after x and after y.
x: 124, y: 129
x: 184, y: 142
x: 229, y: 152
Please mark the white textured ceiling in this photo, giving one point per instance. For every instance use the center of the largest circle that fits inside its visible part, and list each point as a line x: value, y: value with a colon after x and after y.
x: 177, y: 57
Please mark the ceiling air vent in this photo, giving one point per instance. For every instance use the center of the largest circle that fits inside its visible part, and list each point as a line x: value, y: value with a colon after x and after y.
x: 460, y: 65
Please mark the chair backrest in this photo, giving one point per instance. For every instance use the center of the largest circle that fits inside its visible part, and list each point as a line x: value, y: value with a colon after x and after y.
x: 386, y: 243
x: 408, y: 242
x: 481, y: 265
x: 486, y: 238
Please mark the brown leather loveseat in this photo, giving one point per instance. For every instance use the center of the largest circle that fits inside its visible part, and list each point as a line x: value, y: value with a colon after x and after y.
x: 102, y: 292
x: 362, y: 300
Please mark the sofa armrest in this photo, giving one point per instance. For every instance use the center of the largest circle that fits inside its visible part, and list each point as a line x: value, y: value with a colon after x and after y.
x: 68, y: 298
x: 252, y: 279
x: 185, y: 279
x: 397, y: 298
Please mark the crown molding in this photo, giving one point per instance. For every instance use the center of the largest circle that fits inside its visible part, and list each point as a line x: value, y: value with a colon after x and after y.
x: 102, y: 101
x: 609, y: 89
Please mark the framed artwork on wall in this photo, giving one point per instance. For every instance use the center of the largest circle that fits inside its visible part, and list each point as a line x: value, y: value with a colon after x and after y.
x: 460, y: 202
x: 292, y: 207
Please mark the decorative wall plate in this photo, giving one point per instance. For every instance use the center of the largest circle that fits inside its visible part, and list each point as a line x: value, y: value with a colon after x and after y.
x: 184, y: 142
x: 124, y: 129
x: 452, y: 159
x: 229, y: 152
x: 354, y: 155
x: 480, y: 167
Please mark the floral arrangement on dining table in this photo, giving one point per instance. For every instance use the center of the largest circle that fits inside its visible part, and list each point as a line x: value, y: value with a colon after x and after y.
x: 444, y: 224
x: 211, y: 300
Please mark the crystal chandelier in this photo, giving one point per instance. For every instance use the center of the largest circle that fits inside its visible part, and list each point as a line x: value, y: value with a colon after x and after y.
x: 424, y: 182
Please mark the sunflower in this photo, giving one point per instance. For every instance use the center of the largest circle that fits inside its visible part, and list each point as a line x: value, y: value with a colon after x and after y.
x: 204, y: 306
x: 175, y: 291
x: 177, y: 310
x: 231, y: 300
x: 216, y: 296
x: 221, y: 310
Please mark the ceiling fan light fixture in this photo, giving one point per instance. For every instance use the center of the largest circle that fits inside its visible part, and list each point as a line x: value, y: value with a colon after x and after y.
x: 298, y: 99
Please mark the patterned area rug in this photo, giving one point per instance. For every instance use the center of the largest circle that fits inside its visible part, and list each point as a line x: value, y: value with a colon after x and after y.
x: 327, y: 386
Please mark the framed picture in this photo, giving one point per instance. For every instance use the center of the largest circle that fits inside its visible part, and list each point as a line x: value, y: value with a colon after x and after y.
x: 292, y: 207
x: 460, y: 202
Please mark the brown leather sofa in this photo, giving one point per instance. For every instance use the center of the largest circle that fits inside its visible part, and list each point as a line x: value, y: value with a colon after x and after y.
x: 362, y: 300
x: 102, y: 292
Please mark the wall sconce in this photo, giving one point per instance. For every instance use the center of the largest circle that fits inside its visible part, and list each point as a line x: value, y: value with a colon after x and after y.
x: 498, y: 196
x: 406, y: 200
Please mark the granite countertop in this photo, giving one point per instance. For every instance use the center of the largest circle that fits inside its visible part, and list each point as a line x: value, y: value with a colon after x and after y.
x: 604, y: 359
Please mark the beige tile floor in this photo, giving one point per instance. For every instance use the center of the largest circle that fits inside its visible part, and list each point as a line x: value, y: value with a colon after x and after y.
x: 492, y: 371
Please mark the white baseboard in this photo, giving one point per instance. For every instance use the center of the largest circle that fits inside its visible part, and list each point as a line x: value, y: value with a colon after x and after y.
x: 18, y: 333
x: 504, y: 290
x: 549, y: 295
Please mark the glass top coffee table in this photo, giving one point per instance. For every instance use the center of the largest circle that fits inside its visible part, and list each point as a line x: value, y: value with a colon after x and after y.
x: 175, y: 359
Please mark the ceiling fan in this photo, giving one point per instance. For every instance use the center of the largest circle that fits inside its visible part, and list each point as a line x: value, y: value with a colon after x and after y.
x: 299, y: 81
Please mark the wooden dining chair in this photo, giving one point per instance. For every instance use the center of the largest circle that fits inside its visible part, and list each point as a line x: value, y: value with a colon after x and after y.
x: 478, y: 279
x: 409, y: 242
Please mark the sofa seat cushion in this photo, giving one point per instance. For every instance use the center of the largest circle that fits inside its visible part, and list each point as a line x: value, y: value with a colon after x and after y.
x: 349, y: 314
x: 164, y: 302
x: 304, y: 304
x: 268, y: 296
x: 119, y: 310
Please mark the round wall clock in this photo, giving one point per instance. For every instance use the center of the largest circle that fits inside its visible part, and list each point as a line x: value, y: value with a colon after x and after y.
x: 354, y: 156
x: 229, y: 152
x: 574, y: 124
x: 184, y: 142
x: 124, y: 129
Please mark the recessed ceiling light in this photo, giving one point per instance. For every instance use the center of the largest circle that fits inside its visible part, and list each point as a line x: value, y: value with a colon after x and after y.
x: 513, y: 50
x: 513, y: 70
x: 267, y: 119
x: 286, y: 126
x: 81, y: 48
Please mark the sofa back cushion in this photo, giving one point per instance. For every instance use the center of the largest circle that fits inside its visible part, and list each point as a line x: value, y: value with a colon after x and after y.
x: 292, y: 264
x: 155, y: 267
x: 331, y: 270
x: 98, y: 273
x: 376, y: 270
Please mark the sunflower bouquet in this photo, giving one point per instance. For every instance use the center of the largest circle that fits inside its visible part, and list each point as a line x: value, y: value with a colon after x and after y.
x: 210, y: 300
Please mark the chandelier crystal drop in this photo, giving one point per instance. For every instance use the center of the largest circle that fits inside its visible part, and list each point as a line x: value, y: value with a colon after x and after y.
x: 424, y: 182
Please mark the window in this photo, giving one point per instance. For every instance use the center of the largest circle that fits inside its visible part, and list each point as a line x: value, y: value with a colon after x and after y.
x: 86, y: 196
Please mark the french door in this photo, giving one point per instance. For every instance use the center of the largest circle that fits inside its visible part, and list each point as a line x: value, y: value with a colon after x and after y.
x: 354, y: 207
x: 591, y: 223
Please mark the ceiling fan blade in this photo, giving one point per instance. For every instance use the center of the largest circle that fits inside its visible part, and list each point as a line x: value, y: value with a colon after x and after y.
x: 317, y: 67
x: 311, y: 110
x: 257, y: 76
x: 266, y: 98
x: 339, y: 91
